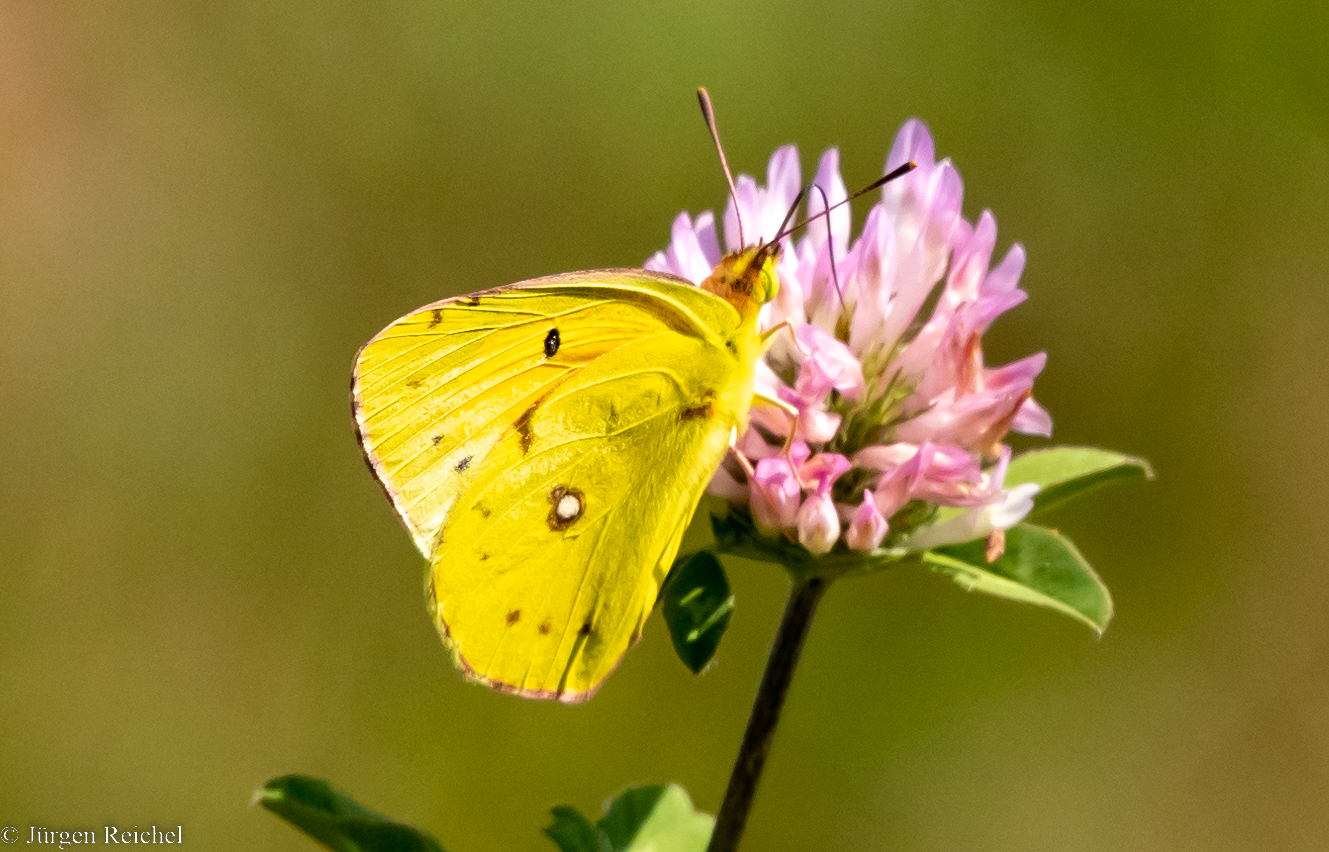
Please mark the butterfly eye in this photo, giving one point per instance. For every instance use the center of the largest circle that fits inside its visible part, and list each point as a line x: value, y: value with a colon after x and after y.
x: 551, y: 343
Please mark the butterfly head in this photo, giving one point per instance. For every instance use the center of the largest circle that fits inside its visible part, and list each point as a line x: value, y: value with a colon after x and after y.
x: 746, y: 278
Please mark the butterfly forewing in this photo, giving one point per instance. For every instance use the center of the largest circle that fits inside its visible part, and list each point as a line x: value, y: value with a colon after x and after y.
x: 432, y: 389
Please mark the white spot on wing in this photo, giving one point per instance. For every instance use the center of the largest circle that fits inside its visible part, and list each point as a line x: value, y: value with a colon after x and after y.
x: 569, y: 506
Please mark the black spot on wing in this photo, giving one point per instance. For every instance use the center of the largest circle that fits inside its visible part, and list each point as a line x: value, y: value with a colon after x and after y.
x: 463, y: 464
x: 545, y: 627
x: 552, y: 342
x: 585, y: 630
x: 435, y: 317
x: 470, y: 301
x: 436, y: 439
x: 513, y: 617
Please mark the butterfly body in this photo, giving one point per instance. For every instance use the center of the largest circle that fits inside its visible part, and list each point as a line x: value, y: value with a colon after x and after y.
x: 546, y: 443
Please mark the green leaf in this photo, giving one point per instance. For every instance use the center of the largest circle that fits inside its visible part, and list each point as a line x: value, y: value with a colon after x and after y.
x: 697, y: 605
x: 659, y: 818
x: 1064, y: 472
x: 1039, y: 566
x: 338, y: 821
x: 573, y: 832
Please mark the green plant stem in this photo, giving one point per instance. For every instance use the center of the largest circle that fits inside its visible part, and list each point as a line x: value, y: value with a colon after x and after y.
x: 798, y: 612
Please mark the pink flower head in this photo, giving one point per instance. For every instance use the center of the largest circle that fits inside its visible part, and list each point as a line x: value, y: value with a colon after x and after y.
x: 895, y: 403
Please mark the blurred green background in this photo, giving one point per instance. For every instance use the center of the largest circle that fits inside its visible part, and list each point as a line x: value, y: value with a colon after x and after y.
x: 206, y: 207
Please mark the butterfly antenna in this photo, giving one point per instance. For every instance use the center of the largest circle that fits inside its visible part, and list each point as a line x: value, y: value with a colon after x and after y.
x: 876, y: 184
x: 830, y: 247
x: 708, y: 113
x: 793, y: 208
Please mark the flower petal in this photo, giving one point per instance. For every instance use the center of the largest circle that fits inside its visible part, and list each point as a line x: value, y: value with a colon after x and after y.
x: 913, y: 142
x: 1007, y: 508
x: 830, y: 362
x: 838, y: 221
x: 821, y: 471
x: 1032, y: 419
x: 784, y: 178
x: 775, y: 493
x: 725, y: 486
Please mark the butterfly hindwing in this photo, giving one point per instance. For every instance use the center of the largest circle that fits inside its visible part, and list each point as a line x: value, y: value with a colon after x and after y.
x: 547, y: 569
x: 545, y: 444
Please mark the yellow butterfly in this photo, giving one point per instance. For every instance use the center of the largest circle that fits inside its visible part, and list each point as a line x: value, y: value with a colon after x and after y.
x: 546, y: 443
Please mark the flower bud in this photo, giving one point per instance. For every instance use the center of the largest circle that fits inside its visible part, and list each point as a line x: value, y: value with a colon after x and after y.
x: 818, y: 524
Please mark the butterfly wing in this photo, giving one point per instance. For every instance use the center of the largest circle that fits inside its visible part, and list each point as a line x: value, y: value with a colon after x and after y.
x: 546, y: 444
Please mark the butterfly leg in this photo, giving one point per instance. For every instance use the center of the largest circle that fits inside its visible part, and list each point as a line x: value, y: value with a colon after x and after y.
x: 738, y: 455
x: 768, y: 338
x: 769, y: 335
